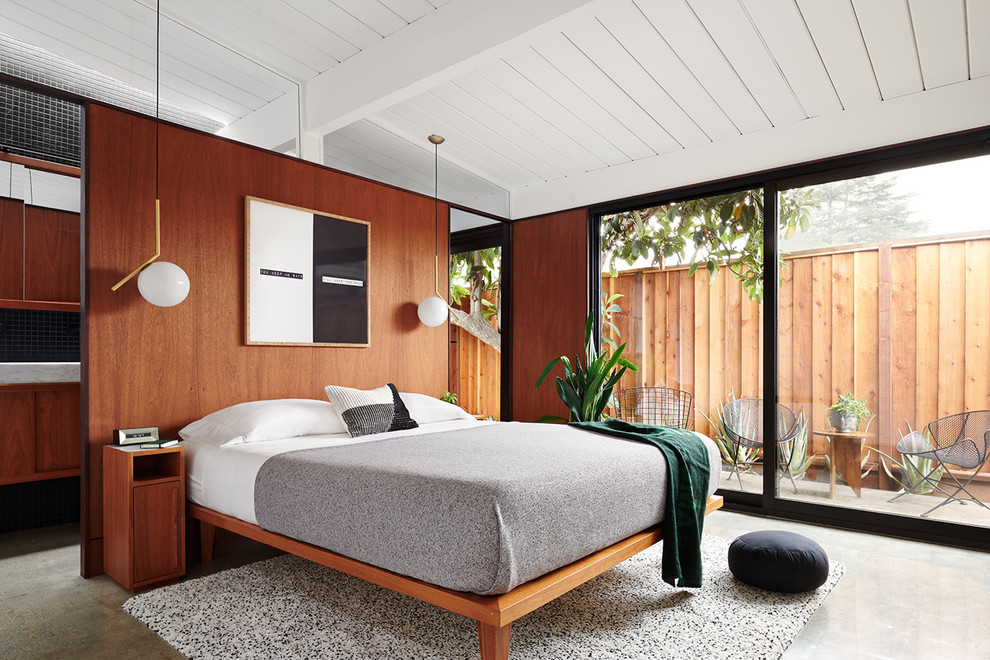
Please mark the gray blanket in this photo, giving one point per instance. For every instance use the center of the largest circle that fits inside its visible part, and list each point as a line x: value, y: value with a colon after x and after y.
x: 481, y: 510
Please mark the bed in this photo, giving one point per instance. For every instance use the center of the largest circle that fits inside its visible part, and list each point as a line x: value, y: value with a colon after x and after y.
x: 490, y: 520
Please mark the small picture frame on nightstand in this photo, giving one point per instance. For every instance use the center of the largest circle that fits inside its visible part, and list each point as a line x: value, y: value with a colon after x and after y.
x: 139, y: 436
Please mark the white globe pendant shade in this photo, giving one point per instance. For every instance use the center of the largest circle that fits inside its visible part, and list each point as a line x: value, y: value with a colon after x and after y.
x: 432, y: 311
x: 163, y: 284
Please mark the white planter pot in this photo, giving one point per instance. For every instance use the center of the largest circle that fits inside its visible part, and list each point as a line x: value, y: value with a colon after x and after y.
x: 841, y: 421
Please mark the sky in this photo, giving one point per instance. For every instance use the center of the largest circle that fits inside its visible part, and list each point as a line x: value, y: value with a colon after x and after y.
x: 951, y: 196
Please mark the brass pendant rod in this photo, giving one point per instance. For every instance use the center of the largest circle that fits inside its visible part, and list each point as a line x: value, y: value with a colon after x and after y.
x: 436, y: 140
x: 158, y: 252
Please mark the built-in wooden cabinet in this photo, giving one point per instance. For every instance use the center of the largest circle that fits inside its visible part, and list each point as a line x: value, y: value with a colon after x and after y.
x: 11, y: 249
x: 51, y: 255
x: 39, y: 433
x: 144, y: 534
x: 39, y: 255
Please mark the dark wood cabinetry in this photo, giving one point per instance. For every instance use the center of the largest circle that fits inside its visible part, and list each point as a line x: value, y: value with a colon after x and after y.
x: 144, y: 534
x: 39, y: 436
x: 11, y: 249
x: 39, y: 257
x: 51, y: 255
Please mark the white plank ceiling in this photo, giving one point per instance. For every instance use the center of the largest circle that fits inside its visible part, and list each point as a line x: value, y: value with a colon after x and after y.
x: 552, y: 104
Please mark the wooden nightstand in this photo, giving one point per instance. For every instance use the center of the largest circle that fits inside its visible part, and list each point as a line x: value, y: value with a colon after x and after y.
x: 144, y: 526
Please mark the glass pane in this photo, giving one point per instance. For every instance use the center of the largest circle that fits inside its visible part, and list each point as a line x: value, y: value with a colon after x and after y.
x: 688, y: 281
x: 885, y: 314
x: 475, y: 341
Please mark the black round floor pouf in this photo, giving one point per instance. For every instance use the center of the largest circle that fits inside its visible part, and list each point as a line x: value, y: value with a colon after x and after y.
x: 778, y: 561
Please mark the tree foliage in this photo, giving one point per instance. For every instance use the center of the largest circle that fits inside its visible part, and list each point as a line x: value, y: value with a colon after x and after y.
x: 704, y: 232
x: 476, y: 276
x: 862, y: 210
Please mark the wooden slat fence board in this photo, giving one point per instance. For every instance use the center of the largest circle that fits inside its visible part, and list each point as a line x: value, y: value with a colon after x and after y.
x: 702, y: 354
x: 821, y: 359
x: 803, y: 312
x: 904, y: 335
x: 977, y: 327
x: 866, y: 340
x: 785, y: 337
x: 926, y: 338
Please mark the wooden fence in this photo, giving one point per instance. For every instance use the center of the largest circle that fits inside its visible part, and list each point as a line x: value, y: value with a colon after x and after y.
x: 904, y: 325
x: 475, y: 373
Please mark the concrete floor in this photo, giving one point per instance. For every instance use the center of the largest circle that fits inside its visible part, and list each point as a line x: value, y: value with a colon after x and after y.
x: 898, y: 599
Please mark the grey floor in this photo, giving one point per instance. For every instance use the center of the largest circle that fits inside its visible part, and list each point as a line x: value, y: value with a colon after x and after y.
x: 898, y: 599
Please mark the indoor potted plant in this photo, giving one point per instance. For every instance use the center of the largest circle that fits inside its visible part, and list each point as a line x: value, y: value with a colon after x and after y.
x: 848, y: 413
x: 586, y: 389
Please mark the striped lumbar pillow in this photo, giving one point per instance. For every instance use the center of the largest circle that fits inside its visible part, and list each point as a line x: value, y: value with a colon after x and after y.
x: 370, y: 411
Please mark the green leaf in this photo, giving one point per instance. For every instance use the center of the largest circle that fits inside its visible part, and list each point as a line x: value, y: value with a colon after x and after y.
x: 546, y: 371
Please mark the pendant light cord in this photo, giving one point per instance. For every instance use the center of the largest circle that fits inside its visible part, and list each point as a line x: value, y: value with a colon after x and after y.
x: 158, y: 86
x: 436, y: 217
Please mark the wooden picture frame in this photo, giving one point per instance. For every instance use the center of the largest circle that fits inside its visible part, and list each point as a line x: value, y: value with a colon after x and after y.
x: 306, y: 276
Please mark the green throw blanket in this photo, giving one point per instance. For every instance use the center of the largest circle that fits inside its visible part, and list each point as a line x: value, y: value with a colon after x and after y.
x: 687, y: 489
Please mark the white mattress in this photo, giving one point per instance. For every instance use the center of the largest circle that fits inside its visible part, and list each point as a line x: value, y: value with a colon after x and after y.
x: 222, y: 478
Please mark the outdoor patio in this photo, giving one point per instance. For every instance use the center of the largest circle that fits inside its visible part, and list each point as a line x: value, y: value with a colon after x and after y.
x: 816, y: 490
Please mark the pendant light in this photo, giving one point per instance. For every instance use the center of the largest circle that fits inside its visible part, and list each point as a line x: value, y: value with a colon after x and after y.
x: 433, y: 310
x: 161, y: 283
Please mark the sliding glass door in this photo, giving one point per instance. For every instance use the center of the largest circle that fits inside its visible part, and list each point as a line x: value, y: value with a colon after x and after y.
x: 884, y: 312
x: 881, y: 310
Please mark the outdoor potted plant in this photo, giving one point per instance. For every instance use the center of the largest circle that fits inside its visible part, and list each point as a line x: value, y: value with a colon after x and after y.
x: 848, y: 413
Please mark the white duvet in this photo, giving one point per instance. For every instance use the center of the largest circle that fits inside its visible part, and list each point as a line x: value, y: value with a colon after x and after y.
x: 222, y: 478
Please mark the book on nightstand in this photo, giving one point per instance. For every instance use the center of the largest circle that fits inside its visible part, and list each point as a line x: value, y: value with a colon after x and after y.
x: 160, y: 444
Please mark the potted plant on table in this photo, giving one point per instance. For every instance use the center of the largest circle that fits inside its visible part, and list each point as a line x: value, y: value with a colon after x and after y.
x: 848, y: 413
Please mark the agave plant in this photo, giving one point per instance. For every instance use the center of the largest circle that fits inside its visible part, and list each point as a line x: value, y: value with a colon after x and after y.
x: 913, y: 470
x: 587, y: 390
x: 725, y: 444
x: 799, y: 459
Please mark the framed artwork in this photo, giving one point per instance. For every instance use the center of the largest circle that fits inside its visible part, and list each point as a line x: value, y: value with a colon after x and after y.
x: 306, y: 276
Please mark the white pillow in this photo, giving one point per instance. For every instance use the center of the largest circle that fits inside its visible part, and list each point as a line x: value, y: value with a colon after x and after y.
x: 258, y: 421
x: 427, y: 409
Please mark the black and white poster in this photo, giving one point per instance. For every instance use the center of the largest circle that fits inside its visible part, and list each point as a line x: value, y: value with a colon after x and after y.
x: 307, y: 276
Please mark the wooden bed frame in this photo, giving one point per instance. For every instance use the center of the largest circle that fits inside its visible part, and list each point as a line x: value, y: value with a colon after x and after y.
x: 494, y: 614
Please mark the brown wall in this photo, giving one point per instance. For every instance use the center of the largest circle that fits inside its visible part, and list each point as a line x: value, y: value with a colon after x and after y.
x: 550, y: 289
x: 150, y: 366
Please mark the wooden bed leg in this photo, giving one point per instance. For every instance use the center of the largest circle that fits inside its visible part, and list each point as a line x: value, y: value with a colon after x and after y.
x: 494, y: 641
x: 206, y: 531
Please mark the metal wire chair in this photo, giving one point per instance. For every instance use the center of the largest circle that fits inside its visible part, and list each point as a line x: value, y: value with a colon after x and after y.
x: 963, y: 440
x: 743, y: 422
x: 659, y: 406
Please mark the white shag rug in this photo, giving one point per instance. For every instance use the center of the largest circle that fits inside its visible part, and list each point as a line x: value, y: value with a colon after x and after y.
x: 289, y: 608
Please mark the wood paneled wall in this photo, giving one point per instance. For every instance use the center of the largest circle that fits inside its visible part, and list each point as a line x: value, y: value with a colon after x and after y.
x: 550, y: 283
x: 150, y: 366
